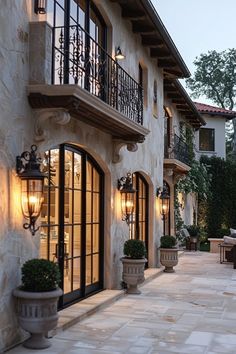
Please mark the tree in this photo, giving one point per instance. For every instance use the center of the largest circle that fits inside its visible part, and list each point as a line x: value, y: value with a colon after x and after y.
x: 215, y: 78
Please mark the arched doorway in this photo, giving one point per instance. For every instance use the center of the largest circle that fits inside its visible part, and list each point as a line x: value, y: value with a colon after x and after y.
x: 72, y: 220
x: 139, y: 227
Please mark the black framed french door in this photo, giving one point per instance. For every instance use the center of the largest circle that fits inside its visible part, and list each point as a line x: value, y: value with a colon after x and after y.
x: 166, y: 218
x: 72, y: 221
x: 139, y: 226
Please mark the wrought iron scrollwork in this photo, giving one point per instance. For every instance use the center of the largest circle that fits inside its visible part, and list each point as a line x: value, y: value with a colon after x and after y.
x: 179, y: 150
x: 79, y: 59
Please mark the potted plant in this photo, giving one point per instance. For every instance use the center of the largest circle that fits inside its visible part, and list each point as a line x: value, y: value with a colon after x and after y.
x: 194, y: 232
x: 133, y: 265
x: 37, y: 299
x: 168, y: 253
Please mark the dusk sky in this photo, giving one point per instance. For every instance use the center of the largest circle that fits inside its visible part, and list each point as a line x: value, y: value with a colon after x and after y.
x: 197, y: 26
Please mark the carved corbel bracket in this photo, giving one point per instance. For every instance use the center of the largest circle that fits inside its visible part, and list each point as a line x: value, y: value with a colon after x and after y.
x: 168, y: 172
x: 118, y: 144
x: 57, y: 115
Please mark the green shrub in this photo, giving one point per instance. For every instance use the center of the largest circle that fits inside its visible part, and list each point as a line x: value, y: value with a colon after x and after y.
x: 193, y: 230
x: 222, y: 232
x: 40, y: 275
x: 202, y: 235
x: 134, y: 249
x: 168, y: 241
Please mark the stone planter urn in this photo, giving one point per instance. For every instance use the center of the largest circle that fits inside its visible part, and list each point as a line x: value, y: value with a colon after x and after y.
x: 37, y: 299
x: 37, y: 314
x: 133, y: 264
x: 169, y: 259
x: 133, y: 273
x: 168, y: 253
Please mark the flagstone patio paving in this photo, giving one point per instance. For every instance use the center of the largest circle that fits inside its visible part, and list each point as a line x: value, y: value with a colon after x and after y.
x: 190, y: 311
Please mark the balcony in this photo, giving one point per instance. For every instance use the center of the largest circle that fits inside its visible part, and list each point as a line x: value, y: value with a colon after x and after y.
x: 89, y: 85
x: 176, y: 155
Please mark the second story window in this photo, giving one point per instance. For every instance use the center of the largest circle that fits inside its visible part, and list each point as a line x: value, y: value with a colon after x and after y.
x: 206, y: 139
x: 79, y: 34
x: 142, y: 80
x: 79, y: 57
x: 154, y: 109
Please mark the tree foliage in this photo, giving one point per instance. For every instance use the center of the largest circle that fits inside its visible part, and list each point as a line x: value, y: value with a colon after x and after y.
x: 215, y: 77
x: 196, y: 181
x: 220, y: 206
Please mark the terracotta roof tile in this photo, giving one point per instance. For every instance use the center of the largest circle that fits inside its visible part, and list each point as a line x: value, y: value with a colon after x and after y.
x: 212, y: 110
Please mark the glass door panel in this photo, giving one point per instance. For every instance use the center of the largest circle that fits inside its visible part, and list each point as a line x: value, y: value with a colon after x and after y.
x: 140, y: 218
x: 49, y: 216
x: 71, y: 220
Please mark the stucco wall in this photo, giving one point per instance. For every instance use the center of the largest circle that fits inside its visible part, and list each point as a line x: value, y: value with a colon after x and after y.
x: 17, y: 134
x: 16, y: 131
x: 217, y: 123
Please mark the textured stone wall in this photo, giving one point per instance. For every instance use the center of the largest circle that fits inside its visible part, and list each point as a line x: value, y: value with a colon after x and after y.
x: 40, y: 53
x: 16, y: 131
x: 17, y: 134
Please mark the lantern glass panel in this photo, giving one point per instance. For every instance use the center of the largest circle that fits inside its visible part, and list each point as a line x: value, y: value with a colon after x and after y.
x: 165, y: 203
x: 31, y: 197
x: 127, y: 203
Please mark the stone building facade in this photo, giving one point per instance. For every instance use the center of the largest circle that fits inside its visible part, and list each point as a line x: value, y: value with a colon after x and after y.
x: 94, y: 119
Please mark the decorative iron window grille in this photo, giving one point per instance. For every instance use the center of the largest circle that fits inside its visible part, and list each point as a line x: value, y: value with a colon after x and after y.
x: 79, y: 59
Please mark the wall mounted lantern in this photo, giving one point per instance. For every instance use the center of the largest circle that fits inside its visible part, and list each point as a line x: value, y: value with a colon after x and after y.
x: 119, y: 55
x: 40, y: 7
x: 164, y: 201
x: 125, y: 186
x: 32, y: 182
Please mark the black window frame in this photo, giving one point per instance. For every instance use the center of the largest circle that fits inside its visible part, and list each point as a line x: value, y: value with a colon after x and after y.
x: 211, y: 144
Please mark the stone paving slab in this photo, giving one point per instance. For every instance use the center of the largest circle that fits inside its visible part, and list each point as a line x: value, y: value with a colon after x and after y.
x: 190, y: 311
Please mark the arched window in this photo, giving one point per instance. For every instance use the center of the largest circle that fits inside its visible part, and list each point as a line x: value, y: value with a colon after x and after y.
x: 72, y: 220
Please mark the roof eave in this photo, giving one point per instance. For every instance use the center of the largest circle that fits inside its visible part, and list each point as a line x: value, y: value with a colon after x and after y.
x: 227, y: 116
x: 190, y: 102
x: 153, y: 15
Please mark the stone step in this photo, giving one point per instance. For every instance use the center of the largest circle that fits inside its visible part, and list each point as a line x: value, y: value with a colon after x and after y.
x: 81, y: 310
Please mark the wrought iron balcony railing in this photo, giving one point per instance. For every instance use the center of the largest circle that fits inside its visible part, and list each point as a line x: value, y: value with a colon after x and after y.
x: 79, y: 59
x: 178, y: 151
